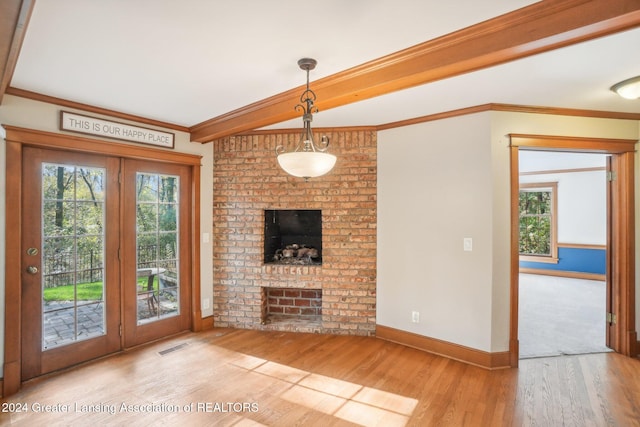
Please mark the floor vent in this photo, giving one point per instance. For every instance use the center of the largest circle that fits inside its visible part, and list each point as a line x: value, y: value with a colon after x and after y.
x: 172, y: 349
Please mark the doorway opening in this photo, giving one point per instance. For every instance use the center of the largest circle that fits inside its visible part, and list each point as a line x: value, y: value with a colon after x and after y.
x: 620, y: 254
x: 562, y: 246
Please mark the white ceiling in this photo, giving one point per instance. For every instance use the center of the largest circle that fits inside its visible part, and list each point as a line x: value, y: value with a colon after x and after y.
x: 187, y: 61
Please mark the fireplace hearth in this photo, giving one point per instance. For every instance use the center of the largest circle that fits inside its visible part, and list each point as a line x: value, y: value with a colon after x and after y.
x: 293, y: 237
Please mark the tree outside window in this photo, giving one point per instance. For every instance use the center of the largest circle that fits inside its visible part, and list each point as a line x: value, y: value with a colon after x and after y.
x: 538, y: 219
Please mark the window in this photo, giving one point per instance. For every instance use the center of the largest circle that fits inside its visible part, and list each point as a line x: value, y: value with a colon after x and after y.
x: 538, y: 222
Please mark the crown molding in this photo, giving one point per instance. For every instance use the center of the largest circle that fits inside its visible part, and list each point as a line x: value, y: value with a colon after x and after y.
x: 513, y: 108
x: 92, y: 109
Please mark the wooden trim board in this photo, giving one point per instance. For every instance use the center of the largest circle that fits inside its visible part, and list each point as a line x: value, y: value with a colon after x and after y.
x: 560, y: 273
x: 472, y: 356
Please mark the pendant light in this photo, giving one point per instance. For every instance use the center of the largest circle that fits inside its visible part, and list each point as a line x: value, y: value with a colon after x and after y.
x: 308, y: 159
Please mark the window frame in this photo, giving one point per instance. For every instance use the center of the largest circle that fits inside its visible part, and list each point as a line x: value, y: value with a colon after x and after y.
x: 544, y: 186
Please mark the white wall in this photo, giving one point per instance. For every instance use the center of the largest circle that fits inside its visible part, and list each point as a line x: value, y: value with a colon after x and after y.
x: 582, y: 208
x: 434, y: 189
x: 439, y: 182
x: 16, y: 111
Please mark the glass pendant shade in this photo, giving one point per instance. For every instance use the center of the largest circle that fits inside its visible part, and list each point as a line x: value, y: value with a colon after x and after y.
x: 306, y: 164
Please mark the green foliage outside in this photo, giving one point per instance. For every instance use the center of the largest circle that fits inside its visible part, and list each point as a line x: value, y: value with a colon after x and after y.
x: 85, y: 291
x: 535, y: 222
x: 73, y: 228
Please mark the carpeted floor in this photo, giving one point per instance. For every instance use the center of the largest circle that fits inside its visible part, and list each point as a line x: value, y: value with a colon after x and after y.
x: 560, y: 315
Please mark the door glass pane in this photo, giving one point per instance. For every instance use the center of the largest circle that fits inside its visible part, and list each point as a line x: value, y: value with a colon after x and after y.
x: 157, y: 247
x: 72, y: 254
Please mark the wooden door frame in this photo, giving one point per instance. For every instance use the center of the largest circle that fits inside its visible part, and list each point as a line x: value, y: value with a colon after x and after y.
x: 16, y: 138
x: 623, y: 233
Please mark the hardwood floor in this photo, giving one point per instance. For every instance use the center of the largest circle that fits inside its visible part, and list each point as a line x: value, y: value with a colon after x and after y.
x: 227, y: 377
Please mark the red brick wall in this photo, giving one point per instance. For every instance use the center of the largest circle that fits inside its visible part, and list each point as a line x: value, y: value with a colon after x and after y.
x: 294, y: 302
x: 247, y: 180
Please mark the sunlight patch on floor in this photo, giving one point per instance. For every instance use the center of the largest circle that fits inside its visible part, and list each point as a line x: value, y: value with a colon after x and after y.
x: 351, y: 402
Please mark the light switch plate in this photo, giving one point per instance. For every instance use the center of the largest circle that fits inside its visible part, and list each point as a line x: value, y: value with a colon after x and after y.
x: 468, y: 244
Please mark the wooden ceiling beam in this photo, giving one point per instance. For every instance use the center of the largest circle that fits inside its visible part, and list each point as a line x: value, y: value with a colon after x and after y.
x: 14, y: 17
x: 540, y: 27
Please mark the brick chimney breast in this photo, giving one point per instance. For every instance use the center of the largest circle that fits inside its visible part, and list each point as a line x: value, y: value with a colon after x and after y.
x: 247, y: 182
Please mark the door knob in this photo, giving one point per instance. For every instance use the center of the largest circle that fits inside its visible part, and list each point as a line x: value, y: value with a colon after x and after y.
x: 32, y: 269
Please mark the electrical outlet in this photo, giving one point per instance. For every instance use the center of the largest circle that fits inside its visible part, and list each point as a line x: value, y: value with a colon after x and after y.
x: 415, y: 316
x: 468, y: 244
x: 205, y: 303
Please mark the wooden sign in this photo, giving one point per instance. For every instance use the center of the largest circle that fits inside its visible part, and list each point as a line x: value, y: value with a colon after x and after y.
x: 100, y: 127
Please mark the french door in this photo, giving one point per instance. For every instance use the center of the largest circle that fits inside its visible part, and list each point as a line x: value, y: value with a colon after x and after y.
x: 105, y: 256
x: 155, y: 252
x: 70, y: 267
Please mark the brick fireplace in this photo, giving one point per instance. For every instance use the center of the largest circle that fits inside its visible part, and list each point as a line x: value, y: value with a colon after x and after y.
x: 254, y: 294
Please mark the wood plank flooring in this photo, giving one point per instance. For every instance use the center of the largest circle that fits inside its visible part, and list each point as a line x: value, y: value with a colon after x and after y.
x: 227, y: 377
